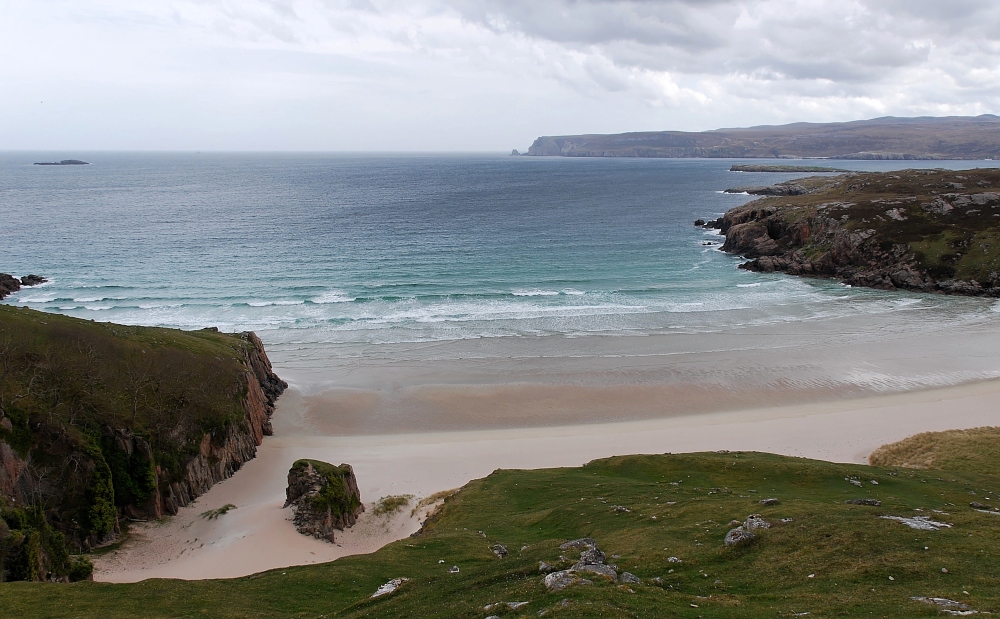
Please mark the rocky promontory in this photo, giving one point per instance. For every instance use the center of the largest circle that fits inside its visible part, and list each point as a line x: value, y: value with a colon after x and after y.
x: 923, y: 230
x: 323, y: 498
x: 10, y: 284
x: 103, y: 424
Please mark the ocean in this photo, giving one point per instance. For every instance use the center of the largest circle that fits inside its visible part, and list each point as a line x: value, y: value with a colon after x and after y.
x: 348, y: 261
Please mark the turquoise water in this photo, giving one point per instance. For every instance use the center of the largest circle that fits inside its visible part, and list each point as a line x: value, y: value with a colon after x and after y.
x: 341, y: 251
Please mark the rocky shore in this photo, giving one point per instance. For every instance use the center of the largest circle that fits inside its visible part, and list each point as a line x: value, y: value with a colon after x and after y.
x: 922, y: 230
x: 10, y: 284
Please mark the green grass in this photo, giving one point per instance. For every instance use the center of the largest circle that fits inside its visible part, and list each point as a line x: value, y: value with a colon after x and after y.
x: 975, y: 450
x: 851, y: 552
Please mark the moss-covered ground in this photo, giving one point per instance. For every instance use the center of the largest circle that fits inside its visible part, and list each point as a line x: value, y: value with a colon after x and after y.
x: 821, y: 556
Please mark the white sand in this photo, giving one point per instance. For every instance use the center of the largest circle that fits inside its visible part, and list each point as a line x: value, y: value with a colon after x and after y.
x: 258, y: 535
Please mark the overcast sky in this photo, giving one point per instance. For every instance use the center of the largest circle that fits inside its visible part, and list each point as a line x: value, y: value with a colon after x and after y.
x: 473, y: 74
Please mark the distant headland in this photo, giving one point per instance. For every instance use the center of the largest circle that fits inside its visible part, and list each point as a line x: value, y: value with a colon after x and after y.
x: 922, y: 138
x: 63, y: 162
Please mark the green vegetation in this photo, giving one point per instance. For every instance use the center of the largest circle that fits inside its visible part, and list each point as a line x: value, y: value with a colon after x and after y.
x: 90, y: 411
x: 391, y: 505
x: 976, y: 450
x: 820, y: 555
x: 212, y: 514
x: 944, y: 224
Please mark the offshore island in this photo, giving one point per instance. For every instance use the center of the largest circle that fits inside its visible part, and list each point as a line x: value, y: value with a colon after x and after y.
x: 105, y: 429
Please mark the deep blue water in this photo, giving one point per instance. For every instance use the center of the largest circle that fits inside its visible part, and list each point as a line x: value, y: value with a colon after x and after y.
x: 368, y: 249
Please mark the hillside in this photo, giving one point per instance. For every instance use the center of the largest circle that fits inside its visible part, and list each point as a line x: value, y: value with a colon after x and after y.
x: 921, y: 230
x: 952, y: 137
x: 103, y: 423
x: 660, y: 518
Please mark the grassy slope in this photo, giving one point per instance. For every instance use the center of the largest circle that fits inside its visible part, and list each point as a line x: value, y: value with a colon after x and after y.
x: 851, y: 552
x: 976, y: 450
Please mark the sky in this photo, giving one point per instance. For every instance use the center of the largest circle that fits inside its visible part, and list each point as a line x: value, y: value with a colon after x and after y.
x: 473, y: 75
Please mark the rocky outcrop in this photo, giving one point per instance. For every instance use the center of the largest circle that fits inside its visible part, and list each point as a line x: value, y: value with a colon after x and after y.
x: 908, y: 230
x: 323, y: 498
x: 10, y: 284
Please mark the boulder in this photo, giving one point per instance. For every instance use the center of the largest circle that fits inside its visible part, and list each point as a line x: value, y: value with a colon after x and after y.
x: 323, y: 498
x: 630, y: 579
x: 499, y: 550
x: 557, y: 581
x: 32, y: 280
x: 739, y: 537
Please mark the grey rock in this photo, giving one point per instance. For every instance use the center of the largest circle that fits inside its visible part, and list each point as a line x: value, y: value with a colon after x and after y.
x: 770, y: 502
x: 584, y: 543
x: 630, y: 578
x: 739, y: 537
x: 754, y: 522
x: 872, y: 502
x: 557, y: 581
x: 593, y: 556
x: 545, y: 567
x: 499, y: 550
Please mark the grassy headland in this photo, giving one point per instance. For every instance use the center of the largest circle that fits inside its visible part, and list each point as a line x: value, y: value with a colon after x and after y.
x: 101, y: 422
x: 923, y: 230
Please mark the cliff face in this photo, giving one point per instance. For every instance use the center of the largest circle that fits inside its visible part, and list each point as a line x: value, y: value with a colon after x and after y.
x: 957, y: 137
x: 102, y: 422
x: 922, y: 230
x: 218, y: 457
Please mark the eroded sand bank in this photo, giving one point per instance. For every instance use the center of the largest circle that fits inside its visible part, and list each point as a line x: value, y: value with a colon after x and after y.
x: 258, y: 535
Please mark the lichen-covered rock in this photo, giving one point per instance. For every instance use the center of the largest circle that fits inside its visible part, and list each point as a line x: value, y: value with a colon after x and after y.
x: 739, y: 537
x: 323, y: 498
x: 557, y: 581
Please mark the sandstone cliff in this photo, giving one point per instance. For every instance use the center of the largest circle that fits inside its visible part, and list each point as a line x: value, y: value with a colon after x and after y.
x: 923, y: 230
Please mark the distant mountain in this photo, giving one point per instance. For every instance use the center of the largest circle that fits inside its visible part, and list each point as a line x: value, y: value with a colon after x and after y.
x: 926, y: 137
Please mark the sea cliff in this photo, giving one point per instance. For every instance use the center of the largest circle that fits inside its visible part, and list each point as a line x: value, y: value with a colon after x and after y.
x: 954, y: 137
x: 101, y: 424
x: 922, y: 230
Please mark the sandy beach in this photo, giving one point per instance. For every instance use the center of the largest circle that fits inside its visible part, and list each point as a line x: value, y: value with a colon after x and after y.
x: 259, y: 535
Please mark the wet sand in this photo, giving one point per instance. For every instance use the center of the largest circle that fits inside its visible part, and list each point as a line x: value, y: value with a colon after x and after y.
x: 258, y: 535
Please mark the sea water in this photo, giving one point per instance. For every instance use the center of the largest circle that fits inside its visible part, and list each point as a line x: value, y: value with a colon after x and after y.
x: 338, y: 259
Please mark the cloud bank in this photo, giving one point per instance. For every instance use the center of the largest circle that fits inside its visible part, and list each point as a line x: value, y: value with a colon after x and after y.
x: 474, y: 74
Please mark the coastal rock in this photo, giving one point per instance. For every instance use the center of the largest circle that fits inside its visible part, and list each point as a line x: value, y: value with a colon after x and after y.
x: 8, y: 285
x: 32, y: 280
x: 877, y: 230
x: 323, y: 498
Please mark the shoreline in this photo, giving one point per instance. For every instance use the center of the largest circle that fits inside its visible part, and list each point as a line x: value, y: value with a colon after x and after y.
x: 258, y: 535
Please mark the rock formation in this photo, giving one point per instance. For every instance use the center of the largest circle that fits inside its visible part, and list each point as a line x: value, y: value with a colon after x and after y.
x: 921, y: 230
x: 323, y: 498
x: 10, y: 284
